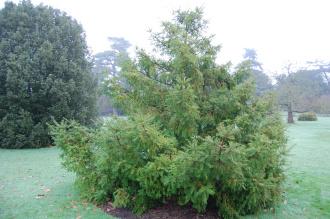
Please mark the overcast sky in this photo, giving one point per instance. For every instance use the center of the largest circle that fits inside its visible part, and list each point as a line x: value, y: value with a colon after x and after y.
x: 279, y: 30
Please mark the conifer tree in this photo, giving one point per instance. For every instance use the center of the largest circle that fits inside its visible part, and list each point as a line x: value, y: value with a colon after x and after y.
x: 231, y: 143
x: 194, y: 132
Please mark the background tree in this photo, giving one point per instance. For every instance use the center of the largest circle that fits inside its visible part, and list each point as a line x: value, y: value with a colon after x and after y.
x: 107, y: 64
x: 262, y: 81
x: 288, y: 91
x: 323, y: 68
x: 312, y: 86
x: 305, y: 89
x: 44, y: 73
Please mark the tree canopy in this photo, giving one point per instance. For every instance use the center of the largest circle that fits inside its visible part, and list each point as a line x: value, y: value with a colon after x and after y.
x: 262, y: 81
x: 44, y: 73
x: 107, y: 64
x: 305, y: 89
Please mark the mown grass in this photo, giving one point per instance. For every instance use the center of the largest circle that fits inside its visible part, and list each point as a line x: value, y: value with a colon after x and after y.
x: 34, y: 185
x: 309, y: 168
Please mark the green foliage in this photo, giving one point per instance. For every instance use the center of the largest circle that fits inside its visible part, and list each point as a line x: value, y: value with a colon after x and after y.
x: 44, y: 74
x: 308, y: 116
x: 118, y: 153
x: 195, y: 132
x: 78, y: 155
x: 121, y: 198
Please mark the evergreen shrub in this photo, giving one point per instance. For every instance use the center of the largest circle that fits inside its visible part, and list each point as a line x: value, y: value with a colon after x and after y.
x: 308, y: 116
x: 194, y: 133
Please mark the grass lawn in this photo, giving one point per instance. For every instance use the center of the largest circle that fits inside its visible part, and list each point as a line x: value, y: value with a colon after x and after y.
x: 34, y: 185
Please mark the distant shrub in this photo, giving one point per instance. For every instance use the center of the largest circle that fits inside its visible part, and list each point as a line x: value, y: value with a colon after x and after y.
x: 309, y: 116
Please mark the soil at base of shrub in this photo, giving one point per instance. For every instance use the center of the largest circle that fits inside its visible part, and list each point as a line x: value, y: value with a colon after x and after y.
x: 166, y: 211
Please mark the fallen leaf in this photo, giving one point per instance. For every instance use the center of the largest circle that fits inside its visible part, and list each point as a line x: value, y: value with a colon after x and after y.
x: 40, y: 196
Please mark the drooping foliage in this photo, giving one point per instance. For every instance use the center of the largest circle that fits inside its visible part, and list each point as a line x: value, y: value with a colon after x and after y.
x: 44, y: 73
x: 194, y: 132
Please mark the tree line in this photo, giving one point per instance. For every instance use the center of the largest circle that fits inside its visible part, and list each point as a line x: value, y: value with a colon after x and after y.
x: 298, y: 89
x: 47, y: 73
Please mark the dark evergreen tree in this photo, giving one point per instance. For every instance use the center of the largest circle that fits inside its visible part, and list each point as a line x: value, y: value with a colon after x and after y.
x: 44, y: 73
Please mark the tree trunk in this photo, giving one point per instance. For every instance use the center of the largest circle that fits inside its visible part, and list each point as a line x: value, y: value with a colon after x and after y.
x: 290, y: 114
